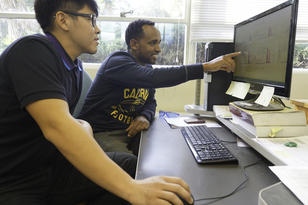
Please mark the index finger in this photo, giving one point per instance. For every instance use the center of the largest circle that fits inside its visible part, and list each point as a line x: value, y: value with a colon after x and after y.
x: 233, y: 54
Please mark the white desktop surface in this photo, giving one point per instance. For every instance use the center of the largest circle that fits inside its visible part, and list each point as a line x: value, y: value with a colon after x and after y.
x: 295, y: 156
x: 273, y: 149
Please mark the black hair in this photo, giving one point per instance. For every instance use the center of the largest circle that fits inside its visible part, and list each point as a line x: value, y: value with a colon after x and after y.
x: 46, y: 9
x: 135, y: 31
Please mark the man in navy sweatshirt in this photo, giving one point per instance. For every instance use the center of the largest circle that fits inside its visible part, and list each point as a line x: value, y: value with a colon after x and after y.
x: 121, y: 101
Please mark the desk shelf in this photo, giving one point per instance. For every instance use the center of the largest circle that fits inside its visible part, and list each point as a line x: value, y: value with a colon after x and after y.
x: 248, y: 138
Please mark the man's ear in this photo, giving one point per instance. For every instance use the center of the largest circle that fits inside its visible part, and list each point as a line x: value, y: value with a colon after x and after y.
x: 62, y: 21
x: 134, y: 44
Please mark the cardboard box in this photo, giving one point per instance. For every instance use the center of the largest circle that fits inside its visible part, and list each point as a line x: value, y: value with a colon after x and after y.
x: 301, y: 104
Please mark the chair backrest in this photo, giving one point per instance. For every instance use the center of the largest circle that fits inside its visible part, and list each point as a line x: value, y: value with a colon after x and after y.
x: 86, y: 84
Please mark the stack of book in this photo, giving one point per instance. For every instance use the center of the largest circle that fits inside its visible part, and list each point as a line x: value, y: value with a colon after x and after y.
x: 301, y: 104
x: 284, y: 123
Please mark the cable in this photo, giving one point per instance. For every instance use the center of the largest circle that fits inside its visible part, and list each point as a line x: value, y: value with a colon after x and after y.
x: 281, y: 102
x: 239, y: 187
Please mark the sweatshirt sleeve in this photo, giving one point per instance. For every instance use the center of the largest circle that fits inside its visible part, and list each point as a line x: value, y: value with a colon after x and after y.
x: 150, y: 107
x: 123, y: 70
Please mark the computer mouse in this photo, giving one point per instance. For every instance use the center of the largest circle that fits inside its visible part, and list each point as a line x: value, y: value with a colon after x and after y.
x: 185, y: 202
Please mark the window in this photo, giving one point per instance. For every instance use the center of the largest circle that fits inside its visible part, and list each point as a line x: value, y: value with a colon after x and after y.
x: 12, y: 29
x: 112, y: 38
x: 208, y: 26
x: 200, y: 54
x: 144, y: 8
x: 129, y: 8
x: 17, y: 19
x: 16, y: 6
x: 301, y: 56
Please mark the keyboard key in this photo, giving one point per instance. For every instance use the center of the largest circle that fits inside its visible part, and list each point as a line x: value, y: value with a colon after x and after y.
x: 205, y: 146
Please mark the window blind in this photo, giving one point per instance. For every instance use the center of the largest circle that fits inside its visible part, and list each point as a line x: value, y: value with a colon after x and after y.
x: 213, y: 20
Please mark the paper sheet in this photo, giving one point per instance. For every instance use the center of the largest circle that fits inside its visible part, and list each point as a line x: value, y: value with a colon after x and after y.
x: 238, y: 89
x: 265, y: 96
x: 295, y: 178
x: 177, y: 122
x: 222, y: 111
x: 296, y: 156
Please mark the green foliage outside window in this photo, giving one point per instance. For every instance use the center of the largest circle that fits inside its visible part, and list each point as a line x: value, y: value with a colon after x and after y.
x: 173, y: 35
x: 112, y: 38
x: 301, y: 56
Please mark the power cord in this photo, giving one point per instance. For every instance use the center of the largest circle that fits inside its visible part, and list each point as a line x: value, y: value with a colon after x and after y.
x: 281, y: 102
x: 239, y: 187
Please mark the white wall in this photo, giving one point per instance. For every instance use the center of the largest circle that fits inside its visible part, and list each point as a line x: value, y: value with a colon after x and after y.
x: 174, y: 98
x: 299, y: 86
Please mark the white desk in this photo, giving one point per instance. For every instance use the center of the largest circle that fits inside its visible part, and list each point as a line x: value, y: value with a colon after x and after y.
x: 291, y: 156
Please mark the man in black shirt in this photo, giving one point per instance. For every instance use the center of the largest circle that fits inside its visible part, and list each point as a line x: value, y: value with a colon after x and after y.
x: 46, y: 155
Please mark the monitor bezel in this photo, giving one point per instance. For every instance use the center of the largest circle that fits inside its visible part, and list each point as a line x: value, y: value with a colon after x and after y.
x: 256, y: 85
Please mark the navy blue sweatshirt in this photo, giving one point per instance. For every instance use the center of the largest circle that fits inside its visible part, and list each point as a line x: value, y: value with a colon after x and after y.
x: 124, y: 89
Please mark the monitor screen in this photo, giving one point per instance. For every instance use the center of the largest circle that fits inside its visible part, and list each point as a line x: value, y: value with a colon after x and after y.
x: 267, y: 43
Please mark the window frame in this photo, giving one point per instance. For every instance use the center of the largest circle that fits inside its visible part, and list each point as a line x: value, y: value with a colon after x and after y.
x: 188, y: 47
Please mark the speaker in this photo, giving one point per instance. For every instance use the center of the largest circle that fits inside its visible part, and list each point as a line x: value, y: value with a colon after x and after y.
x: 220, y: 80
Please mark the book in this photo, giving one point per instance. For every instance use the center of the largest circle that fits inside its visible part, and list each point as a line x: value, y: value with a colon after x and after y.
x: 272, y: 130
x: 301, y: 104
x: 268, y: 118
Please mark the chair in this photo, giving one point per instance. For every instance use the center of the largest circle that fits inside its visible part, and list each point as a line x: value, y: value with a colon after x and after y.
x: 86, y: 84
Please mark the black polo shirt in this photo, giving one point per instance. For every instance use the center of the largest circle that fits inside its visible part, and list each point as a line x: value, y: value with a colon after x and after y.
x: 32, y: 68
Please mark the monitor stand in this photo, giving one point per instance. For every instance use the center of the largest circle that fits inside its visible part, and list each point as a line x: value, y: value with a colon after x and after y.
x: 251, y: 105
x: 198, y: 110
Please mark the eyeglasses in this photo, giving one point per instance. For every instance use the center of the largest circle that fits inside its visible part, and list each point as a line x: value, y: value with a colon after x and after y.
x: 89, y: 16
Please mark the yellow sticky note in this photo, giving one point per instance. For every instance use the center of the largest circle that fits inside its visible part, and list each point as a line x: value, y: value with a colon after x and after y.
x: 274, y: 131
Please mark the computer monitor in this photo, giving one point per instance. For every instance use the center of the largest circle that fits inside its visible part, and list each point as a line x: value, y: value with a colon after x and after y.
x: 267, y: 44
